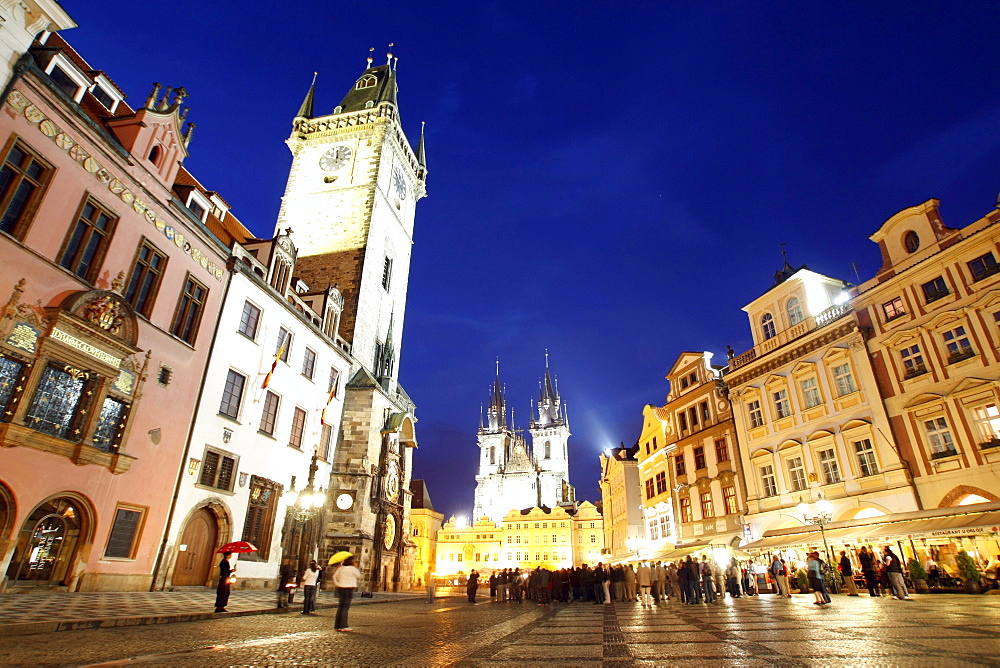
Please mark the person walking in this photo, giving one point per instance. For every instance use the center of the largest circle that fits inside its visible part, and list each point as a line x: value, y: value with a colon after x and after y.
x: 816, y: 579
x: 226, y: 570
x: 629, y: 583
x: 643, y: 577
x: 310, y: 577
x: 894, y: 569
x: 867, y: 560
x: 847, y: 572
x: 345, y: 580
x: 673, y: 574
x: 775, y: 569
x: 429, y: 583
x: 655, y: 584
x: 694, y: 581
x: 472, y: 585
x: 733, y: 578
x: 286, y: 583
x: 705, y: 569
x: 516, y: 581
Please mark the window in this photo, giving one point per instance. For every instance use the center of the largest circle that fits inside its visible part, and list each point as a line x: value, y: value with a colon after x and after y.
x: 684, y: 383
x: 794, y: 310
x: 387, y: 274
x: 125, y: 530
x: 88, y: 240
x: 682, y: 420
x: 144, y: 281
x: 911, y: 242
x: 828, y: 463
x: 680, y: 466
x: 298, y: 426
x: 721, y: 450
x: 810, y: 392
x: 782, y: 407
x: 367, y: 81
x: 654, y: 530
x: 939, y: 435
x: 693, y: 415
x: 104, y: 98
x: 270, y: 413
x: 309, y: 363
x: 493, y: 454
x: 22, y: 182
x: 548, y: 450
x: 988, y: 422
x: 53, y: 409
x: 844, y: 380
x: 664, y: 525
x: 767, y: 326
x: 756, y: 415
x: 699, y: 458
x: 10, y: 376
x: 767, y: 482
x: 325, y: 441
x: 866, y: 457
x: 650, y: 488
x: 249, y: 321
x: 110, y: 422
x: 232, y: 394
x: 686, y: 514
x: 707, y: 508
x: 729, y: 499
x: 661, y: 482
x: 913, y: 361
x: 935, y: 289
x: 893, y: 308
x: 796, y: 474
x: 261, y: 511
x: 65, y: 82
x: 983, y: 266
x: 957, y: 343
x: 197, y: 209
x: 284, y: 344
x: 217, y: 470
x: 189, y: 309
x: 334, y: 385
x: 705, y: 415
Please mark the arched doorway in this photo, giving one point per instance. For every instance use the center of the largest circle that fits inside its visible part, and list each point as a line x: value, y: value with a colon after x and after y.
x: 196, y: 549
x: 49, y: 542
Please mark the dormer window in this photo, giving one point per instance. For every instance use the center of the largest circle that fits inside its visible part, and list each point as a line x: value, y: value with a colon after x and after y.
x: 911, y: 242
x: 198, y: 205
x: 68, y: 77
x: 367, y: 81
x: 106, y: 93
x: 154, y: 155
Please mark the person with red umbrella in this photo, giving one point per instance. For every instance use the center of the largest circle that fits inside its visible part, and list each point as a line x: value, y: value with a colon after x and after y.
x: 226, y: 570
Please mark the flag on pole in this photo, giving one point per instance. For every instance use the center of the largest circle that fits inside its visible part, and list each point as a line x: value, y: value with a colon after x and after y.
x: 329, y: 400
x: 274, y: 365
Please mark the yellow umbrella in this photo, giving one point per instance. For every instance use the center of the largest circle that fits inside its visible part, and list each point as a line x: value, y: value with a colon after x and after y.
x: 339, y: 557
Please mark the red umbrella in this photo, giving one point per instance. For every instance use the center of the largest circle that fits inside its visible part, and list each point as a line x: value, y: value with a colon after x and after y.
x: 238, y: 546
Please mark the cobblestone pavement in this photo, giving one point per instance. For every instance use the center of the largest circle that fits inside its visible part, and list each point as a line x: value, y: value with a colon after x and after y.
x: 46, y: 605
x: 939, y: 630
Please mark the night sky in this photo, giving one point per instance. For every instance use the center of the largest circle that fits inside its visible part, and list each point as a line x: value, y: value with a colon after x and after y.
x: 608, y: 180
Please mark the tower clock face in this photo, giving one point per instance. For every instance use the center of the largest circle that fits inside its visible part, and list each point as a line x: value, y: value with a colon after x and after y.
x: 392, y: 481
x: 345, y: 501
x: 399, y: 182
x: 335, y: 158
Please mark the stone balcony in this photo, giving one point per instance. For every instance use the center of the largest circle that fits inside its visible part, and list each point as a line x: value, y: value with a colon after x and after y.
x: 797, y: 331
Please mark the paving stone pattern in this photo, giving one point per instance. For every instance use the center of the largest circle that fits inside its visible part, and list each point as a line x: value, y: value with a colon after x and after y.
x: 939, y: 630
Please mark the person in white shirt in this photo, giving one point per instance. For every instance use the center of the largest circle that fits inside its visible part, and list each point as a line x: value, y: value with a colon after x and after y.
x: 310, y: 577
x: 345, y: 579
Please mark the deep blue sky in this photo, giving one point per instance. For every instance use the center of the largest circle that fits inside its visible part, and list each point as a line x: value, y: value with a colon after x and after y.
x: 608, y: 180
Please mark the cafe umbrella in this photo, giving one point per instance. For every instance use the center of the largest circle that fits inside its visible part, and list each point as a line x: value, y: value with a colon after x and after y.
x: 238, y: 546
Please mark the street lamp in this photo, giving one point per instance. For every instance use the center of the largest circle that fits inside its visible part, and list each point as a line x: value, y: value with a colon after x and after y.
x: 820, y: 513
x: 302, y: 507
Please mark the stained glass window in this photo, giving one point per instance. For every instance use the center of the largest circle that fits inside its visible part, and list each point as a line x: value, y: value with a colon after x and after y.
x: 54, y: 405
x: 10, y: 375
x: 109, y: 425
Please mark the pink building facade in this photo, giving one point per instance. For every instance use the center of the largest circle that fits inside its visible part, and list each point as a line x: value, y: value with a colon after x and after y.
x: 112, y: 283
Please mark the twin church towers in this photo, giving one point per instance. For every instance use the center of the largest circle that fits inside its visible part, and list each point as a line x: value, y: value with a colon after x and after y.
x: 514, y: 475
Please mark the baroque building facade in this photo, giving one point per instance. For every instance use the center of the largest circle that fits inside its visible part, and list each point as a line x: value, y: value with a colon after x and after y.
x: 116, y: 279
x: 620, y: 500
x: 351, y: 200
x: 808, y: 407
x: 514, y: 474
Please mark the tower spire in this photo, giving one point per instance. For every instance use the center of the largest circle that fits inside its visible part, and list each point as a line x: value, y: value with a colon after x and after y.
x: 306, y: 109
x: 421, y: 153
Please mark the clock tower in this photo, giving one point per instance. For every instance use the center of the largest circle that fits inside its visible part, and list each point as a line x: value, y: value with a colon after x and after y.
x: 350, y: 202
